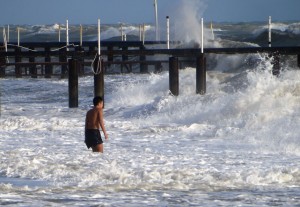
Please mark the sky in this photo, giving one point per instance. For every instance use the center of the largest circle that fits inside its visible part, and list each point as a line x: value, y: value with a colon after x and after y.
x: 142, y: 11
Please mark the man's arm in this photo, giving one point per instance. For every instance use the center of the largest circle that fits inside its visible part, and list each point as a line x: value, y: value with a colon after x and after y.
x: 102, y: 123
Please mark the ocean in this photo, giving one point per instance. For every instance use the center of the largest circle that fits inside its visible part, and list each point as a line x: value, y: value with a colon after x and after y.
x: 237, y: 145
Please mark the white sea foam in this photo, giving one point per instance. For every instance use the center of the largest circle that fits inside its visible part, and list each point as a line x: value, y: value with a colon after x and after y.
x: 225, y: 139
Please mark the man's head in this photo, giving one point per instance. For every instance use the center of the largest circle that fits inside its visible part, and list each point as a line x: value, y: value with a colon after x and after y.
x: 97, y: 100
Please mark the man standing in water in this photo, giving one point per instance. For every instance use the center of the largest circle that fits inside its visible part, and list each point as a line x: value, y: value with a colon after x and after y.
x: 93, y: 121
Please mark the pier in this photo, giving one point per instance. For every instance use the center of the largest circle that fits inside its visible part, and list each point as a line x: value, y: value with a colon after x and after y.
x: 38, y: 59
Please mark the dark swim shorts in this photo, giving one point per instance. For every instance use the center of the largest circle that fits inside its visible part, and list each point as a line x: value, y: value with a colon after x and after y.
x: 92, y: 137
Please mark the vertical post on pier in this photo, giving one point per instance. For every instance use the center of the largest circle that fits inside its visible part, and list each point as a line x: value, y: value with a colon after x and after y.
x: 143, y: 65
x: 63, y: 60
x: 173, y: 76
x: 270, y: 32
x: 8, y: 33
x: 48, y: 67
x: 18, y: 59
x: 59, y: 28
x: 67, y: 34
x: 201, y: 67
x: 168, y: 32
x: 2, y: 62
x: 124, y: 58
x: 201, y: 74
x: 143, y: 34
x: 81, y: 31
x: 2, y: 71
x: 3, y: 58
x: 99, y: 77
x: 18, y: 31
x: 73, y: 82
x: 140, y: 31
x: 79, y: 51
x: 276, y: 63
x: 202, y: 36
x: 99, y: 37
x: 298, y: 60
x: 99, y: 69
x: 32, y: 68
x: 156, y: 21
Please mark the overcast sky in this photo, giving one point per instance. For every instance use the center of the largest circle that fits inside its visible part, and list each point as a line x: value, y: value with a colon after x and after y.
x: 142, y: 11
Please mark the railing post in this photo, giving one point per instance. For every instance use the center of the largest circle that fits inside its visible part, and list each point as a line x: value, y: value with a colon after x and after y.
x: 99, y: 78
x: 173, y: 76
x: 73, y: 82
x: 201, y: 74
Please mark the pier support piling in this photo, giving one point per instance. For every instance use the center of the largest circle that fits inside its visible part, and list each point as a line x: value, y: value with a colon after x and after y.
x: 143, y: 66
x: 173, y: 76
x: 74, y: 66
x: 18, y: 59
x: 201, y: 74
x: 124, y: 59
x: 2, y: 71
x: 48, y: 68
x: 99, y: 79
x: 298, y: 60
x: 276, y: 63
x: 32, y: 68
x: 63, y: 58
x: 2, y: 63
x: 80, y: 57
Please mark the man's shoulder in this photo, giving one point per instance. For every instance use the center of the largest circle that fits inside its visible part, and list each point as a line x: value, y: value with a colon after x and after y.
x: 94, y: 111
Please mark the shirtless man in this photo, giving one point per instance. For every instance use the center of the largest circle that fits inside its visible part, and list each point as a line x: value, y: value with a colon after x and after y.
x: 93, y: 121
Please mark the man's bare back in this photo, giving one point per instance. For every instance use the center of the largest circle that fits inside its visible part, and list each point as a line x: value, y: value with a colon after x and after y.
x: 93, y: 118
x: 93, y: 123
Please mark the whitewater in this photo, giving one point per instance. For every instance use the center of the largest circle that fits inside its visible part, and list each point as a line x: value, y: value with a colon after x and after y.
x: 237, y: 145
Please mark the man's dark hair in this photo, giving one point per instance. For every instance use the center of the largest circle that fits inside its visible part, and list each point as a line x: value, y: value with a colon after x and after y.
x: 97, y: 100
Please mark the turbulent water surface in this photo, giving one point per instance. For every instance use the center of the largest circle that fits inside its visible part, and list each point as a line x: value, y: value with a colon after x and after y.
x: 237, y: 145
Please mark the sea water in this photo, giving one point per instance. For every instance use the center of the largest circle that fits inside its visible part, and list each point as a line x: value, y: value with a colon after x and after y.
x: 237, y: 145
